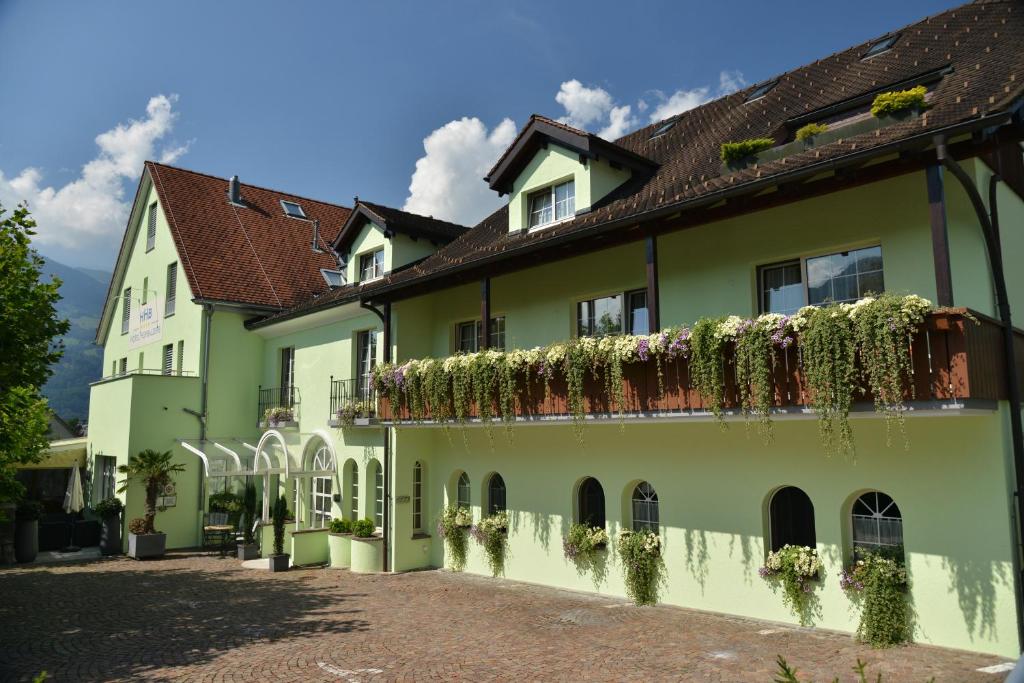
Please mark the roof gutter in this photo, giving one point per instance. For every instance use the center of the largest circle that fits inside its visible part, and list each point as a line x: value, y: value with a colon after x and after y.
x: 916, y: 141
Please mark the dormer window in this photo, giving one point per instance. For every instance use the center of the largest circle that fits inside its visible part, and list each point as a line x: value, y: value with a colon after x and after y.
x: 552, y: 204
x: 292, y: 209
x: 371, y: 265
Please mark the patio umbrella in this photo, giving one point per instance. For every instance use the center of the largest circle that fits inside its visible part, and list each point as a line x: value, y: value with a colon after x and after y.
x: 73, y: 503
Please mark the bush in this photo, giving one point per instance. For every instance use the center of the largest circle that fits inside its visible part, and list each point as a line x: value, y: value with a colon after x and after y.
x: 737, y: 151
x: 810, y: 130
x: 28, y: 511
x: 641, y: 555
x: 883, y: 582
x: 340, y: 526
x: 249, y: 507
x: 888, y: 103
x: 111, y: 507
x: 137, y: 526
x: 363, y: 528
x: 278, y: 514
x: 225, y: 501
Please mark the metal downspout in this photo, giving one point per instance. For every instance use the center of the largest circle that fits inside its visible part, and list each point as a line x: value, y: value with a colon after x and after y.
x: 990, y: 232
x: 385, y: 318
x: 204, y: 385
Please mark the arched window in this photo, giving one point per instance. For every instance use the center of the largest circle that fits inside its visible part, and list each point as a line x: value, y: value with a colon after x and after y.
x: 877, y: 526
x: 495, y: 494
x: 320, y: 491
x: 417, y: 497
x: 645, y: 508
x: 378, y: 495
x: 353, y: 492
x: 791, y: 518
x: 590, y: 503
x: 462, y: 496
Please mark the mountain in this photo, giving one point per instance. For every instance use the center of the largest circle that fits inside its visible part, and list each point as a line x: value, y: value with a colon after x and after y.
x: 83, y: 291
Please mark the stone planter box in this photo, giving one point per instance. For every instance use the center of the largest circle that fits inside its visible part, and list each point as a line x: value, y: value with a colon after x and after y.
x: 248, y: 551
x: 340, y: 546
x: 110, y: 535
x: 279, y: 563
x: 367, y: 554
x: 26, y: 541
x: 143, y: 546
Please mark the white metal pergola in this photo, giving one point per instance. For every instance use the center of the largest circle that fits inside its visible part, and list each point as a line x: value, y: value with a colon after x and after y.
x: 233, y: 457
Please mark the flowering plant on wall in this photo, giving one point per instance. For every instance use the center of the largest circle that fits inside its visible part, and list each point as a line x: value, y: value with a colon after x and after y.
x: 796, y: 566
x: 640, y: 552
x: 880, y: 583
x: 583, y: 541
x: 451, y: 527
x: 492, y: 533
x: 278, y: 416
x: 348, y: 413
x: 843, y: 350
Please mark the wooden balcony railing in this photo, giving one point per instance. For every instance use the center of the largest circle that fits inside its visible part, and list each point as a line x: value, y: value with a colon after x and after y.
x: 957, y: 357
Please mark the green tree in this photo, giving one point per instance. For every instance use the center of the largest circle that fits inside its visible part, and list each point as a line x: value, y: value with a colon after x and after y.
x: 154, y: 469
x: 30, y: 332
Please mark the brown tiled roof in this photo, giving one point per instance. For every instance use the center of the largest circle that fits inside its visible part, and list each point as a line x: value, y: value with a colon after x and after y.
x: 252, y: 254
x: 396, y: 220
x: 982, y: 42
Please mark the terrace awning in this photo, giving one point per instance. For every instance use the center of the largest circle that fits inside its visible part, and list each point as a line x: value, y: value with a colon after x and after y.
x: 220, y: 457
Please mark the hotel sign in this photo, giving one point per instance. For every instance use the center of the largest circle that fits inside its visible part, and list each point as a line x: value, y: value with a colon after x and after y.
x: 146, y: 324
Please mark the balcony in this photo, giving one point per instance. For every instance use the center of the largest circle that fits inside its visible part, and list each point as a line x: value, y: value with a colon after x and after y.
x: 283, y: 400
x: 957, y: 368
x: 353, y: 403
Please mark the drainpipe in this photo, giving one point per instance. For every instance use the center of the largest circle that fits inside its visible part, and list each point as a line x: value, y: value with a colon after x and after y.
x: 204, y: 385
x: 990, y: 232
x: 385, y: 318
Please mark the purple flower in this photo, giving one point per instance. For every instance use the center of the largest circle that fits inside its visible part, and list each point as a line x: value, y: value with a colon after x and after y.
x: 764, y: 572
x: 643, y: 348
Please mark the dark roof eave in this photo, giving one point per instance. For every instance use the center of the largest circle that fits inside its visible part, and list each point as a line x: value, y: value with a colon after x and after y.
x: 991, y: 120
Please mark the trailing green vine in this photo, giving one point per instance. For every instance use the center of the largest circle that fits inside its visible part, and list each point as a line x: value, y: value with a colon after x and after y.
x: 452, y: 529
x: 582, y: 544
x: 844, y: 350
x: 796, y: 567
x: 640, y: 552
x: 881, y: 583
x: 492, y: 533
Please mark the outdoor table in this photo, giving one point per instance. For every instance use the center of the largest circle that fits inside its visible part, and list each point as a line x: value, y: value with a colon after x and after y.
x: 225, y: 530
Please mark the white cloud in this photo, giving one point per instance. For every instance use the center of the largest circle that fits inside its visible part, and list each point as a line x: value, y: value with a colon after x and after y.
x: 91, y: 209
x: 448, y: 180
x: 583, y: 105
x: 684, y: 100
x: 620, y: 122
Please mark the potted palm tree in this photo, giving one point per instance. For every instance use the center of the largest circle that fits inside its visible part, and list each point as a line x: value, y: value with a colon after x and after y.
x: 279, y: 560
x: 109, y: 511
x: 248, y: 550
x: 154, y: 469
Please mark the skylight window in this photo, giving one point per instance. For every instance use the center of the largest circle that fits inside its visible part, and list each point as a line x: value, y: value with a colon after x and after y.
x: 334, y: 278
x: 292, y: 209
x: 662, y: 129
x: 761, y: 90
x: 881, y: 46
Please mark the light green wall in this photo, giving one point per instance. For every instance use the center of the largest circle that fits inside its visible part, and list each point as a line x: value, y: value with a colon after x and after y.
x: 713, y: 487
x: 405, y: 250
x: 236, y: 364
x: 556, y: 164
x: 370, y: 238
x: 186, y: 322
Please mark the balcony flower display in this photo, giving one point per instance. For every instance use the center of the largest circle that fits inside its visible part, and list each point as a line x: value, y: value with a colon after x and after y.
x: 879, y: 584
x: 351, y: 411
x: 843, y: 350
x: 275, y: 417
x: 640, y: 552
x: 795, y: 566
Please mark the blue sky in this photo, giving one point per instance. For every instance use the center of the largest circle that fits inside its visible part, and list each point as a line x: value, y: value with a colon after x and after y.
x: 333, y: 99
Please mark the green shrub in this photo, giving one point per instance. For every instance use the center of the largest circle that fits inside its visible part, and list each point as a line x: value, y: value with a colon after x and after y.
x: 278, y: 514
x: 249, y: 508
x: 640, y: 552
x: 111, y: 507
x: 341, y: 526
x: 810, y: 130
x: 887, y: 103
x: 28, y: 511
x: 452, y: 528
x: 492, y: 534
x: 882, y: 585
x: 363, y: 528
x: 737, y: 151
x: 795, y: 566
x: 137, y: 526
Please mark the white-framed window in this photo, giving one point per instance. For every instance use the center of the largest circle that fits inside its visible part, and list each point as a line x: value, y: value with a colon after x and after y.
x: 496, y: 494
x: 292, y: 209
x: 877, y: 526
x: 320, y: 491
x: 463, y: 493
x: 552, y: 204
x: 378, y: 495
x: 645, y: 508
x: 417, y: 497
x: 617, y: 313
x: 366, y: 360
x: 151, y: 227
x: 838, y: 277
x: 371, y: 265
x: 167, y: 362
x: 287, y: 376
x: 353, y: 492
x: 107, y: 466
x: 468, y: 338
x: 126, y: 310
x: 170, y: 299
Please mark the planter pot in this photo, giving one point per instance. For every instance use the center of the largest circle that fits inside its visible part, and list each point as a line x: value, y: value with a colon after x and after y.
x: 144, y: 546
x: 110, y: 535
x: 248, y: 551
x: 26, y: 541
x: 278, y: 563
x: 7, y: 533
x: 340, y: 547
x: 367, y: 554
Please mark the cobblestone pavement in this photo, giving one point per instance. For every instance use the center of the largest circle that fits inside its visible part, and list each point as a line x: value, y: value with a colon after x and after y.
x: 202, y: 618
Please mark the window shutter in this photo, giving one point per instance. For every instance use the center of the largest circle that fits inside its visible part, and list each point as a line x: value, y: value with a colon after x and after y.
x: 126, y: 310
x: 151, y: 227
x: 172, y: 289
x: 168, y: 359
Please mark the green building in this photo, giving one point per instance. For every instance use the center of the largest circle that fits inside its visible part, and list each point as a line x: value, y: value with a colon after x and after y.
x: 244, y: 326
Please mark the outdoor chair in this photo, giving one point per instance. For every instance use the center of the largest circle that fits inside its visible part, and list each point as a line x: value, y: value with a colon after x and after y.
x: 213, y: 528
